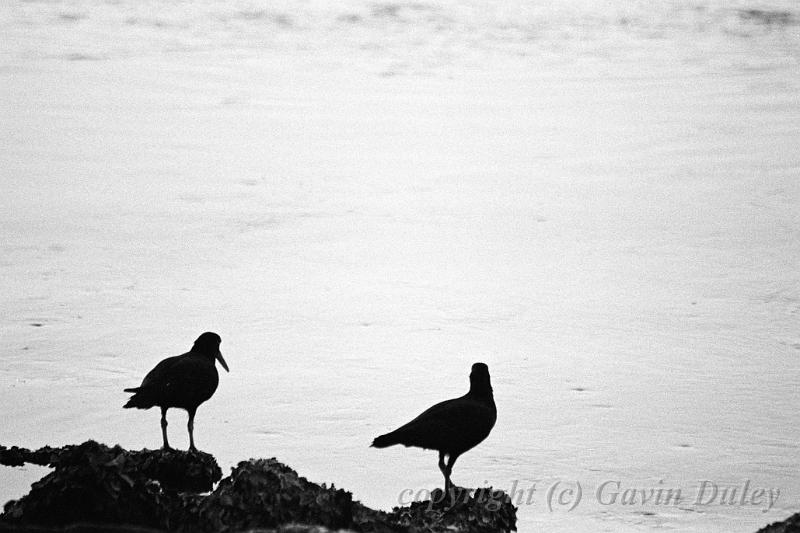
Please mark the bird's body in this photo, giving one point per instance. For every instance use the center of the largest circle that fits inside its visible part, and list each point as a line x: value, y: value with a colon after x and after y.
x: 184, y: 381
x: 451, y: 427
x: 444, y: 427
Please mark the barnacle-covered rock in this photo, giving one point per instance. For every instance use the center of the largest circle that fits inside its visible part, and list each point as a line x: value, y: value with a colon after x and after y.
x: 90, y: 483
x: 97, y: 488
x: 266, y: 493
x: 173, y: 469
x: 93, y: 482
x: 464, y: 510
x: 790, y: 525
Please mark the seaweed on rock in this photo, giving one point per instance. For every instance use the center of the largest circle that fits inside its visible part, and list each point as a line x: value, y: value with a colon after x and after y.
x: 266, y: 493
x: 95, y: 487
x: 790, y: 525
x: 483, y: 510
x: 173, y: 469
x: 93, y: 482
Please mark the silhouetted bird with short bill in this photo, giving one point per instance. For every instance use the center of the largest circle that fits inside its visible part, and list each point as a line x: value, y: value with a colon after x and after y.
x: 184, y: 381
x: 451, y: 427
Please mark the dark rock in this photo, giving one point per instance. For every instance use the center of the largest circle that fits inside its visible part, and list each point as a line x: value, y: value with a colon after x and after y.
x: 96, y: 488
x: 464, y: 510
x: 174, y: 469
x: 94, y: 483
x: 366, y: 520
x: 12, y: 456
x: 179, y: 470
x: 790, y: 525
x: 80, y: 527
x: 266, y: 493
x: 112, y: 528
x: 16, y: 456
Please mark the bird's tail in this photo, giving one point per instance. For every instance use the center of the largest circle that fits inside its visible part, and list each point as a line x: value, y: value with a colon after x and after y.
x: 139, y: 400
x: 390, y: 439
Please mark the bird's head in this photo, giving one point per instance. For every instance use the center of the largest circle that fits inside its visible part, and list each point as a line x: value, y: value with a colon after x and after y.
x: 208, y: 344
x: 479, y: 382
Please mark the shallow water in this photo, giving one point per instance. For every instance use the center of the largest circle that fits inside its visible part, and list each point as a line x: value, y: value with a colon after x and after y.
x: 599, y: 201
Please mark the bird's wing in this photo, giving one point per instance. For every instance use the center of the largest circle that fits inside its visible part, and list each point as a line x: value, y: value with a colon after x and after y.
x: 436, y: 411
x: 163, y: 373
x: 457, y: 420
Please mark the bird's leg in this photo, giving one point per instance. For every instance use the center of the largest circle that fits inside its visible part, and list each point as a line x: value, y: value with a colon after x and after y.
x: 443, y: 469
x: 164, y: 427
x: 190, y: 425
x: 451, y: 460
x: 441, y: 462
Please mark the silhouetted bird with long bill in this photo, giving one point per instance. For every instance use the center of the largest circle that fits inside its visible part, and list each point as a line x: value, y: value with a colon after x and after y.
x: 451, y: 427
x: 184, y: 381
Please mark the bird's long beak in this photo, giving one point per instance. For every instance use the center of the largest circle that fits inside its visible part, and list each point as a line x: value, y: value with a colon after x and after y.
x: 222, y: 361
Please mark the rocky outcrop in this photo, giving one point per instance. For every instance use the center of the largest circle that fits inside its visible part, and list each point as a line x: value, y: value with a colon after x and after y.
x: 94, y: 487
x: 790, y: 525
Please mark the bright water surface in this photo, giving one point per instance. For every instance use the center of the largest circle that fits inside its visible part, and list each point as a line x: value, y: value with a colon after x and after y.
x: 599, y: 200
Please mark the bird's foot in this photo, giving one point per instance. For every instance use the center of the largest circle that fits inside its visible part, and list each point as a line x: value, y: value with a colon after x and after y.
x: 451, y: 498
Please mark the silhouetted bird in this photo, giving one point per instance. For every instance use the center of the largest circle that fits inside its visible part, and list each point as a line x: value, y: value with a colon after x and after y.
x: 451, y: 427
x: 184, y: 381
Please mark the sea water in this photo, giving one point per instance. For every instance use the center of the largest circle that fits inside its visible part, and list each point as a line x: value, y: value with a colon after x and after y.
x: 599, y: 199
